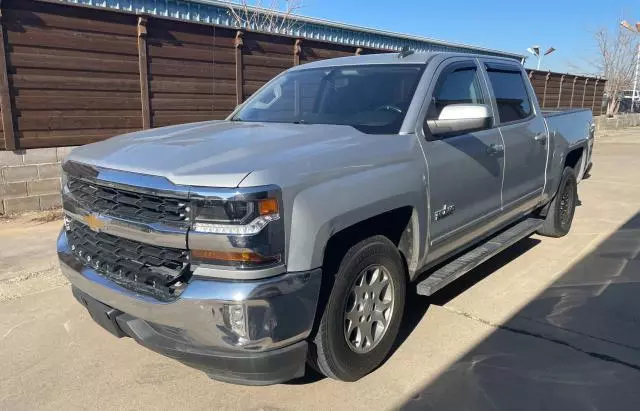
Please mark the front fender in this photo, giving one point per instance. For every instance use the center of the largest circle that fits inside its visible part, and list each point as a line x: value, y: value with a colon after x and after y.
x: 322, y: 210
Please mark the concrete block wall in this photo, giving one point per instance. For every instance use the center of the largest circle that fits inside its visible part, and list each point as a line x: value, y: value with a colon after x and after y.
x: 617, y: 122
x: 30, y: 179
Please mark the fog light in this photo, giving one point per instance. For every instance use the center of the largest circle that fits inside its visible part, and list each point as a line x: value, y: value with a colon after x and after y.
x: 236, y: 318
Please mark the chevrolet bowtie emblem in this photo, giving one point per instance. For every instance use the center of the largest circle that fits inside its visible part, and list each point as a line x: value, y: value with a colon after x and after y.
x: 94, y: 222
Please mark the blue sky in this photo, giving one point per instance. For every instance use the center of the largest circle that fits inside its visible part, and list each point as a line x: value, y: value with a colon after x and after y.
x: 567, y: 25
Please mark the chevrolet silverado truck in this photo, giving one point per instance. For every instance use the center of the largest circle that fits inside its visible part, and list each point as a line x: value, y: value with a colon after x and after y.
x: 290, y: 233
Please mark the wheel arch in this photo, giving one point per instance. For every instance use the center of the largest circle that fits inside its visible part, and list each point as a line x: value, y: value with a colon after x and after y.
x: 575, y: 159
x: 399, y: 225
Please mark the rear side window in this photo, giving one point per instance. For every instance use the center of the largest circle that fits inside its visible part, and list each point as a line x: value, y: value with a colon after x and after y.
x: 511, y: 95
x: 459, y: 84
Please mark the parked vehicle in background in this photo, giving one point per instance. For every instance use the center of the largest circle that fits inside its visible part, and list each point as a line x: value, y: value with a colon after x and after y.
x: 292, y: 231
x: 626, y: 100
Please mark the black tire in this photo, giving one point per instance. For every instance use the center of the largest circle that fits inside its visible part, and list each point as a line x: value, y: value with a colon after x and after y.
x: 562, y: 208
x: 330, y: 353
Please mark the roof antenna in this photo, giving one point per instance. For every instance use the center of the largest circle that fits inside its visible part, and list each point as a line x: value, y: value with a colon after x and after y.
x: 404, y: 52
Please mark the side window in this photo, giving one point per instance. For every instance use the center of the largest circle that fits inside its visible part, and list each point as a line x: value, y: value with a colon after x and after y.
x: 459, y: 84
x: 511, y: 94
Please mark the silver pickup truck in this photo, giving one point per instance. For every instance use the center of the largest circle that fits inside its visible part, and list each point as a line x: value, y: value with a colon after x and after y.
x: 290, y: 233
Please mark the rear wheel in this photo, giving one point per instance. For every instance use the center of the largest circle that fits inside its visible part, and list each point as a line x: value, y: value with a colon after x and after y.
x: 562, y: 208
x: 363, y: 314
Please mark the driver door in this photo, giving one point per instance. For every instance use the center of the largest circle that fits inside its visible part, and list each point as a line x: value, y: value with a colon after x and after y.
x: 465, y: 169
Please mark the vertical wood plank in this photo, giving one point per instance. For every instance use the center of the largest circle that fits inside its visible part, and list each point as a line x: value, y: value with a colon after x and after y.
x: 595, y: 91
x: 297, y: 49
x: 560, y: 90
x: 544, y: 92
x: 144, y: 72
x: 239, y: 78
x: 6, y: 102
x: 531, y: 75
x: 573, y: 90
x: 584, y: 92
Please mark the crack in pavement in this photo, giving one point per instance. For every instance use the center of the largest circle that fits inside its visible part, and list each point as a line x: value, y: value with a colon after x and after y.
x: 23, y: 276
x: 29, y: 283
x: 580, y: 333
x: 10, y: 330
x: 597, y: 355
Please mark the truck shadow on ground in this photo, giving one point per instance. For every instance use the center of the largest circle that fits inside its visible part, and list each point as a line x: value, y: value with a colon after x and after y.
x: 417, y: 305
x: 575, y: 346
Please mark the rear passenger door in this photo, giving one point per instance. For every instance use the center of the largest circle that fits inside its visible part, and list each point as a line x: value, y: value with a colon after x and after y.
x: 524, y: 133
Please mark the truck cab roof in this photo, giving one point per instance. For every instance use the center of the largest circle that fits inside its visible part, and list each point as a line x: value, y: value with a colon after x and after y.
x: 393, y: 58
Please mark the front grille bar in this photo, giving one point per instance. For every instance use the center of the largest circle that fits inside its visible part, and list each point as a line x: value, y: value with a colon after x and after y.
x: 129, y: 205
x: 158, y: 271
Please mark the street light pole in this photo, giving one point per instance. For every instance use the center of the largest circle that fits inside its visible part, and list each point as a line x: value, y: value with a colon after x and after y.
x: 540, y: 61
x: 535, y: 50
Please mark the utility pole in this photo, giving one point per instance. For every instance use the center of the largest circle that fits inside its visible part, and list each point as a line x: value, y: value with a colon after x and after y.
x: 635, y: 30
x: 635, y: 79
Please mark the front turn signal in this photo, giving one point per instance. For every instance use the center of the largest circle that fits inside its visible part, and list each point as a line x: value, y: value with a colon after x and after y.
x: 231, y: 257
x: 268, y: 206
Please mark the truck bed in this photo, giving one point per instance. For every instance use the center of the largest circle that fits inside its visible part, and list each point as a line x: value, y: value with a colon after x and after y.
x: 572, y: 124
x: 576, y: 126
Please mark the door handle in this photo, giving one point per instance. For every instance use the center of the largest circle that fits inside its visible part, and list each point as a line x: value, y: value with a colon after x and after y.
x: 541, y: 138
x: 495, y: 149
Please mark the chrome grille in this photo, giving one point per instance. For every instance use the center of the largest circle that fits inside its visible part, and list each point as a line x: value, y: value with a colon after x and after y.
x: 129, y: 205
x: 157, y: 271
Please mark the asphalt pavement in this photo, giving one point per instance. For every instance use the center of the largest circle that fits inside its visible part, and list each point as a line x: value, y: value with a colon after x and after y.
x: 548, y: 324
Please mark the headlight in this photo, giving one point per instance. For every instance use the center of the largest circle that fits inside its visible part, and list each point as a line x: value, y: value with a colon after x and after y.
x: 244, y: 231
x: 238, y: 217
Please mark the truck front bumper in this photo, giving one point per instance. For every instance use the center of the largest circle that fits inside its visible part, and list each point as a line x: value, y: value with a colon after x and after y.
x: 246, y: 332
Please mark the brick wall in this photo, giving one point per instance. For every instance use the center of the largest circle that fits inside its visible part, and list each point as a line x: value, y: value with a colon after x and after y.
x: 30, y: 179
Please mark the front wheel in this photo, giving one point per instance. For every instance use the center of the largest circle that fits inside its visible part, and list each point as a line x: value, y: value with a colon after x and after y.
x: 363, y: 314
x: 562, y: 208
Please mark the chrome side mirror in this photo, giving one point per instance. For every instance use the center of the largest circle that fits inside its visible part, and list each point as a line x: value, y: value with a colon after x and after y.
x: 460, y: 118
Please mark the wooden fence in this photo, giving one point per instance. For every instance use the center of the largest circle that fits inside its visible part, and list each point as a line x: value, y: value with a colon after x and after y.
x: 72, y: 75
x: 562, y: 91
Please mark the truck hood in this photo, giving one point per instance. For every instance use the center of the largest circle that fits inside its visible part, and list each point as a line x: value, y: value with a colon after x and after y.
x: 221, y: 153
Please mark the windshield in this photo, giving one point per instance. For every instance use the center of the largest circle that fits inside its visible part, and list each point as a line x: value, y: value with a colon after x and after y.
x: 374, y: 98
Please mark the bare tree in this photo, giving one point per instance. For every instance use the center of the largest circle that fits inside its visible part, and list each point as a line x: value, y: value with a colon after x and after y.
x: 616, y: 62
x: 274, y: 16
